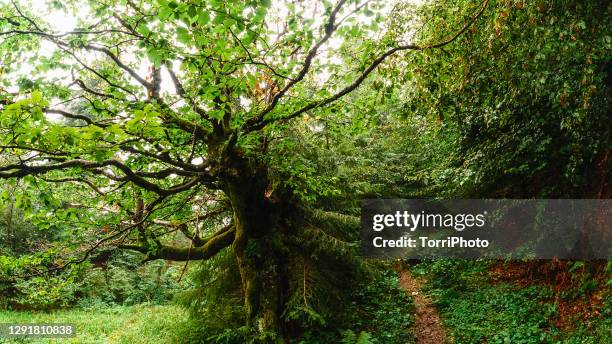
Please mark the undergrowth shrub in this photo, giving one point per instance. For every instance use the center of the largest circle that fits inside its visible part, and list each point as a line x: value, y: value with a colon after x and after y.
x: 372, y: 310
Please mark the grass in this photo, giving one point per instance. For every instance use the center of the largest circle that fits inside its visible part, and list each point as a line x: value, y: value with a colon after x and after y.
x: 381, y: 313
x: 129, y: 325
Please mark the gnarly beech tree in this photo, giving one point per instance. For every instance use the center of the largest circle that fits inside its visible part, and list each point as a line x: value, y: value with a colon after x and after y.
x: 239, y: 73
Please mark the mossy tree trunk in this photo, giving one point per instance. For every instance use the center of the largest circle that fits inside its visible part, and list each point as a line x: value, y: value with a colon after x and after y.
x: 258, y: 248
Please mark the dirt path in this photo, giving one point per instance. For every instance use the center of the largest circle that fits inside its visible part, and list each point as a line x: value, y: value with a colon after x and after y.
x: 428, y: 326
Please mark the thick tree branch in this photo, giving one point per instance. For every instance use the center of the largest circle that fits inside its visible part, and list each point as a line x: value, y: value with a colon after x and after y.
x: 22, y: 170
x: 185, y: 168
x: 212, y: 246
x: 170, y: 117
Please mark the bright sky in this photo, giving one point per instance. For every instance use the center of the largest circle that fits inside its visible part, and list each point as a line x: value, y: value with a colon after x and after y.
x: 58, y: 20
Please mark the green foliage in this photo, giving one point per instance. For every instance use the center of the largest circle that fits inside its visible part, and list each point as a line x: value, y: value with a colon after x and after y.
x: 349, y: 337
x: 47, y: 292
x: 375, y: 308
x: 452, y: 274
x: 500, y: 315
x: 85, y: 287
x: 475, y: 310
x: 122, y: 281
x: 118, y: 281
x: 523, y: 96
x: 336, y: 162
x: 383, y: 309
x: 213, y: 298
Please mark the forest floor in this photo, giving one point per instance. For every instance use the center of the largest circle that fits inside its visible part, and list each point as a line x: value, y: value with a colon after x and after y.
x: 510, y: 302
x: 428, y: 328
x: 140, y: 324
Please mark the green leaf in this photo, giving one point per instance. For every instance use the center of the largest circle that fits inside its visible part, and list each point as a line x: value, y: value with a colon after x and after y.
x: 183, y: 35
x: 36, y: 97
x: 203, y: 17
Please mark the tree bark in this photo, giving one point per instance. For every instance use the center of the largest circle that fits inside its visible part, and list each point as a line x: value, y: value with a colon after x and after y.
x: 260, y: 271
x: 258, y: 254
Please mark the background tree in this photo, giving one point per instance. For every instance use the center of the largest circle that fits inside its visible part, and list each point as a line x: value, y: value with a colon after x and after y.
x: 522, y: 102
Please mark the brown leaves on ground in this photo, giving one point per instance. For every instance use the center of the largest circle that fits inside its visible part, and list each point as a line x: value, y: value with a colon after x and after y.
x: 573, y: 308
